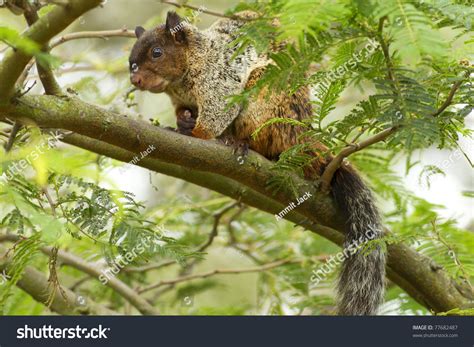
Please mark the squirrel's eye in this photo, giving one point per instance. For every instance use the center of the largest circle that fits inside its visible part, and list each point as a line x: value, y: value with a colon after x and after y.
x: 134, y: 67
x: 157, y: 52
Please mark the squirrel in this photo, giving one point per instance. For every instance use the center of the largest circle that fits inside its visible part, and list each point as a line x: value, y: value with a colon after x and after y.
x: 198, y: 70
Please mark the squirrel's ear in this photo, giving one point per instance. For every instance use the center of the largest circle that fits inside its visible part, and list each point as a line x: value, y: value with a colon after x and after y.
x: 139, y: 31
x: 174, y: 27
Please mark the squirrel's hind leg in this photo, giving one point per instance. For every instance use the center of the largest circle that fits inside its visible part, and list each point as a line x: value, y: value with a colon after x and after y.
x: 240, y: 147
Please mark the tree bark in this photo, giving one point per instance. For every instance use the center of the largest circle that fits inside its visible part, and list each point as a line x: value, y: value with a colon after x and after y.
x: 202, y: 162
x: 36, y: 284
x: 41, y: 32
x: 214, y: 166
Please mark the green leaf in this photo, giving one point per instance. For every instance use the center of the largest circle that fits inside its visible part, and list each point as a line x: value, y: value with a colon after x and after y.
x: 412, y: 31
x: 24, y: 44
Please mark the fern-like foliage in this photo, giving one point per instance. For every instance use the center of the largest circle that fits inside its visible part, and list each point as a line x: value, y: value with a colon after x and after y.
x: 23, y: 254
x: 412, y: 31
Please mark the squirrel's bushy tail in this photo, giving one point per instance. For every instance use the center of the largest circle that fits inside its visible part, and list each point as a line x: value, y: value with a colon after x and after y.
x: 361, y: 280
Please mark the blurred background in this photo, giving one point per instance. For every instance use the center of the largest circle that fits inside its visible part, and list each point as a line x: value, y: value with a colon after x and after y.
x: 97, y: 69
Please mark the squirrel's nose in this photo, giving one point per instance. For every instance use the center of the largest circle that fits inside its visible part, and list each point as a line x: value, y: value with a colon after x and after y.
x: 136, y: 80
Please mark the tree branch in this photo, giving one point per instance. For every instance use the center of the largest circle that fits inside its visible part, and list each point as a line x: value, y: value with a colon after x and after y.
x: 46, y: 76
x: 200, y: 162
x: 41, y: 32
x: 104, y: 34
x: 412, y: 271
x: 11, y: 138
x: 92, y: 34
x: 409, y: 269
x: 217, y: 217
x: 336, y: 162
x: 36, y: 284
x: 192, y: 153
x: 214, y: 166
x: 201, y: 9
x: 117, y: 285
x: 92, y: 270
x: 265, y: 267
x: 450, y: 97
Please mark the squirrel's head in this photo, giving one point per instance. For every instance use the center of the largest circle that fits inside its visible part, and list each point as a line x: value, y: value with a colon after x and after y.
x: 158, y: 57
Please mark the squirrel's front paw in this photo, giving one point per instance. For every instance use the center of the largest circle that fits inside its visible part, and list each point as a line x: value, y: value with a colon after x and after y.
x: 185, y: 122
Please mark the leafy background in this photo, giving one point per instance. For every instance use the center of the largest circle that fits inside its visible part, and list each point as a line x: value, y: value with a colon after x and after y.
x: 422, y: 176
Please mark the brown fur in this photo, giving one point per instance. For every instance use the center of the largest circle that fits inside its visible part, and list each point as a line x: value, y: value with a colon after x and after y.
x: 198, y: 72
x: 171, y: 71
x: 166, y: 70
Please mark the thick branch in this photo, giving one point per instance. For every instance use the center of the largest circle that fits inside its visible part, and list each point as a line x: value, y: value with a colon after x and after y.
x: 120, y: 137
x: 46, y: 76
x: 413, y: 272
x: 117, y: 285
x: 41, y: 32
x: 192, y: 153
x: 64, y: 301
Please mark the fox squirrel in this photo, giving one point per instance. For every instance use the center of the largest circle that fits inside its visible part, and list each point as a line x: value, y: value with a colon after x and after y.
x: 198, y: 71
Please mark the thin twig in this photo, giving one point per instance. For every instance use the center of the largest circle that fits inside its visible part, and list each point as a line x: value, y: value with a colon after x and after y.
x: 148, y: 267
x: 50, y: 200
x: 336, y: 162
x: 11, y: 140
x: 215, y: 226
x: 78, y: 283
x: 219, y: 272
x: 24, y: 74
x: 451, y: 252
x: 200, y: 9
x: 53, y: 279
x: 450, y: 97
x: 217, y: 218
x: 230, y: 228
x: 103, y: 34
x: 385, y: 50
